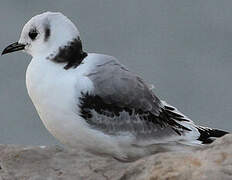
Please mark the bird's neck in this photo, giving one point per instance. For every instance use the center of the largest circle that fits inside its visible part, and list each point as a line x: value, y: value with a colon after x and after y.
x: 71, y: 54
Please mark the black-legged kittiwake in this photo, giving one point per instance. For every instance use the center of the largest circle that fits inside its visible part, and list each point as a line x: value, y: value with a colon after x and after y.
x: 93, y: 102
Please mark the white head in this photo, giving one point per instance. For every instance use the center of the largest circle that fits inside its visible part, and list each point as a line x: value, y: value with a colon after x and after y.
x: 45, y: 34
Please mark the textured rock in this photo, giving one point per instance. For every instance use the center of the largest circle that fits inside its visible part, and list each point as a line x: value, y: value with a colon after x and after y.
x: 212, y: 162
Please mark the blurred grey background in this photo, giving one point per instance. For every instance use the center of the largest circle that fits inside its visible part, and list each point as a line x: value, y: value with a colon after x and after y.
x: 182, y: 47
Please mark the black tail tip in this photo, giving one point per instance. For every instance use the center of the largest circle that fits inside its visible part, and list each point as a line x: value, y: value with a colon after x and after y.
x: 208, y: 135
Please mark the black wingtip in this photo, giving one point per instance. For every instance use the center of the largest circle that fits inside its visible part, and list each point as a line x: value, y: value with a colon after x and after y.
x: 208, y: 135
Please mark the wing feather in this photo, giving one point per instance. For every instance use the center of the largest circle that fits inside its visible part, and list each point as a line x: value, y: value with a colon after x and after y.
x: 122, y: 100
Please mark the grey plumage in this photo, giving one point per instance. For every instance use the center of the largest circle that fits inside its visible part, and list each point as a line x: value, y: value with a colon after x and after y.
x: 129, y: 105
x: 117, y: 85
x: 122, y: 104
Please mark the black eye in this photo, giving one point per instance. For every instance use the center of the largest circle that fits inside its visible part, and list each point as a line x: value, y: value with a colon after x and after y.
x: 32, y: 34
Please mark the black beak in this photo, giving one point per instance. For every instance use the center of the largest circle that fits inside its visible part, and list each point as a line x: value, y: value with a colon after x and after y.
x: 13, y: 47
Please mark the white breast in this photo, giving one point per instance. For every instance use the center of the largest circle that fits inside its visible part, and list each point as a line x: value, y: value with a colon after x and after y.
x: 54, y: 92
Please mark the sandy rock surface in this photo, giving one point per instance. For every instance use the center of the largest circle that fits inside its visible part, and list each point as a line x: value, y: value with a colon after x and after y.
x: 213, y: 162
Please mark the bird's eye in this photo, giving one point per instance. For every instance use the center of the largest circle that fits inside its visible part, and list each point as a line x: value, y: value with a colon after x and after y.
x: 32, y: 34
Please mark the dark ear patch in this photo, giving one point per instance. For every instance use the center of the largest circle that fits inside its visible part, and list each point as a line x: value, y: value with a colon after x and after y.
x: 47, y: 32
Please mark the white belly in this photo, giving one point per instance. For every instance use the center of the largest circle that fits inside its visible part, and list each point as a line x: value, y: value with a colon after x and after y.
x: 54, y: 99
x: 54, y: 92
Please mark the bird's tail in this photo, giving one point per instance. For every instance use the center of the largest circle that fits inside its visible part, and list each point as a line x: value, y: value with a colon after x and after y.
x: 208, y: 135
x: 195, y: 134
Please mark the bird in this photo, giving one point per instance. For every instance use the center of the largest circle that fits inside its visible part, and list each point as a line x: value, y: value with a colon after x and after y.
x: 92, y: 102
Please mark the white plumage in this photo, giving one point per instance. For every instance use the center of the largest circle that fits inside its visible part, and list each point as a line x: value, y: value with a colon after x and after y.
x: 91, y: 101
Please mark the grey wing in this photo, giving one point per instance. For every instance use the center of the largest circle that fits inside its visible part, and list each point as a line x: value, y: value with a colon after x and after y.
x: 117, y: 85
x: 123, y: 102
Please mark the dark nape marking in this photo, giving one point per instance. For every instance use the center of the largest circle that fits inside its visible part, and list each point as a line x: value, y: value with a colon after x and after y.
x: 206, y: 134
x: 47, y: 31
x: 88, y: 103
x: 72, y: 54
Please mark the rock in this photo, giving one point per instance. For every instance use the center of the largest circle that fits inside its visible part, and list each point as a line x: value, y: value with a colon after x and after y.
x: 212, y: 162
